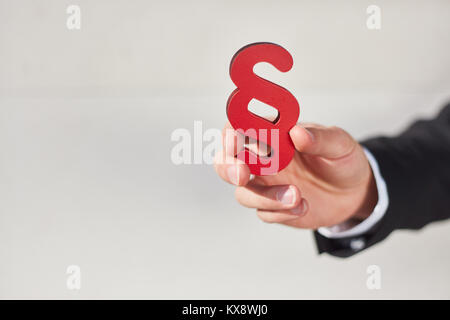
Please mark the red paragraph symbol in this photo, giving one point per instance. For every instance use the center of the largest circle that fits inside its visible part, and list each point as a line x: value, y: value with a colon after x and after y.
x: 274, y: 135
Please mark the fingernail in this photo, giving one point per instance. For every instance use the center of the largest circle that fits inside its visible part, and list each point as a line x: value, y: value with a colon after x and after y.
x: 233, y: 174
x: 286, y: 196
x: 301, y: 209
x: 309, y: 133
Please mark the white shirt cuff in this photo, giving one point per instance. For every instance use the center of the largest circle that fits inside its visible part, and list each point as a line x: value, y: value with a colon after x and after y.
x: 343, y: 230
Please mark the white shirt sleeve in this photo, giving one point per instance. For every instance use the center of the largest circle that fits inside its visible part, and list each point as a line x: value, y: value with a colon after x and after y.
x: 344, y: 230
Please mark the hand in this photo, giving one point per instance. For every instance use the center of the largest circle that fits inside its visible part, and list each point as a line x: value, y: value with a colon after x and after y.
x: 328, y: 181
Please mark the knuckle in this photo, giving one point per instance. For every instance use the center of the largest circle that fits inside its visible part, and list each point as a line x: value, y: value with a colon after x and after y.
x: 344, y: 140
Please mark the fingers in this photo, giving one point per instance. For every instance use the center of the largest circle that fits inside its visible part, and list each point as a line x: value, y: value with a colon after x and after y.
x: 235, y: 141
x: 231, y: 170
x: 284, y: 216
x: 327, y: 142
x: 280, y: 197
x: 274, y: 204
x: 226, y: 164
x: 313, y: 139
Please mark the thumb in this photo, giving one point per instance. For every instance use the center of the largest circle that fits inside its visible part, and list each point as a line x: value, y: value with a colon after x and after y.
x: 327, y: 142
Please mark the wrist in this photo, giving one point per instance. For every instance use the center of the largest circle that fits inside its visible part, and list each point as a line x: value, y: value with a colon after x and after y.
x: 368, y: 214
x: 369, y: 198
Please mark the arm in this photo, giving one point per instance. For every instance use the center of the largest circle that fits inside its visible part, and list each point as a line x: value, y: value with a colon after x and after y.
x: 330, y: 181
x: 416, y: 168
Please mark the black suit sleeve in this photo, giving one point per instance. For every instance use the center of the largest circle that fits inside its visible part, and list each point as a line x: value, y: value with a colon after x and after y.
x: 416, y: 168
